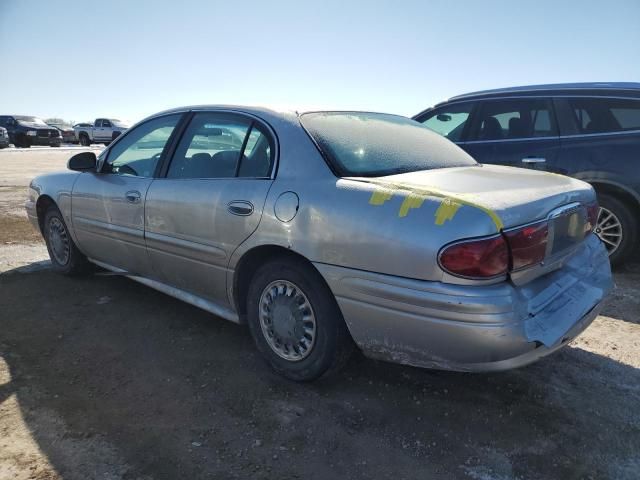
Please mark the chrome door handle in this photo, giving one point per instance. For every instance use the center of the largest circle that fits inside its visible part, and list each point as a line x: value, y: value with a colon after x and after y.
x: 534, y: 160
x: 132, y: 196
x: 240, y: 207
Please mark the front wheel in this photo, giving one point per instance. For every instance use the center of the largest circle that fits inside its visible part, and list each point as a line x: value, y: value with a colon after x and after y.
x: 617, y: 227
x: 295, y: 321
x: 65, y: 256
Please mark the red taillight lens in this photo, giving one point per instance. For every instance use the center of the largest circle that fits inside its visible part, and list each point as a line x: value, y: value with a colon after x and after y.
x: 476, y: 258
x: 528, y: 244
x: 593, y: 211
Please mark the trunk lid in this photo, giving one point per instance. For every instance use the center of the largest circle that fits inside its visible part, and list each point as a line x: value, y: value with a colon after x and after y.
x: 511, y: 197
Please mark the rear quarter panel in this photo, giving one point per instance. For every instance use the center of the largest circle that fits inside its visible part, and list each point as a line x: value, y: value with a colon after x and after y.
x: 613, y: 159
x: 363, y: 226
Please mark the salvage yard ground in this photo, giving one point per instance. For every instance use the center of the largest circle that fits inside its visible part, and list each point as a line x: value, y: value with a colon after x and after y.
x: 101, y: 377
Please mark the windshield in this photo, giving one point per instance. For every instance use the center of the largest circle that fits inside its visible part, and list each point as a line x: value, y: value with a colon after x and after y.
x: 376, y: 144
x: 25, y: 119
x: 118, y: 123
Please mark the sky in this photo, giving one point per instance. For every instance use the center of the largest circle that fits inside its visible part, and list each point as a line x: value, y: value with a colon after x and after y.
x: 80, y: 60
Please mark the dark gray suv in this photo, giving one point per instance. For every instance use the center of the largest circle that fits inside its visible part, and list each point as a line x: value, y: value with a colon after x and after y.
x: 589, y: 131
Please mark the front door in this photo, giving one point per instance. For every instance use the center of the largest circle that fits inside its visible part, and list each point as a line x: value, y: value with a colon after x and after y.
x: 514, y: 132
x: 209, y: 201
x: 108, y: 205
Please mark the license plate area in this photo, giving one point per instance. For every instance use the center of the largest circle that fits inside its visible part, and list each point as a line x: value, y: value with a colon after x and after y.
x: 566, y: 229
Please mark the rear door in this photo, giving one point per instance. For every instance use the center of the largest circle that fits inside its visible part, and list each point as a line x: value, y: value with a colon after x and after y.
x: 209, y: 201
x: 518, y: 132
x: 108, y: 205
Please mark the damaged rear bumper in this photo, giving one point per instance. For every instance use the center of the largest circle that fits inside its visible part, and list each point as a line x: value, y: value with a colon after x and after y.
x: 472, y: 328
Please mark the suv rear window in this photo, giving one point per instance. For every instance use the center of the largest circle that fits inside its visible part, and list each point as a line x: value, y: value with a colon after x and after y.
x: 376, y: 144
x: 604, y: 115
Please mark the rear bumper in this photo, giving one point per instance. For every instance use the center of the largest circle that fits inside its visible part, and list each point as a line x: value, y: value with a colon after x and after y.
x: 472, y: 328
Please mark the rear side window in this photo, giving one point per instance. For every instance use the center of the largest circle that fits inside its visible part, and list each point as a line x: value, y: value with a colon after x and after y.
x: 377, y: 144
x: 605, y: 115
x: 216, y: 145
x: 449, y: 121
x: 515, y: 119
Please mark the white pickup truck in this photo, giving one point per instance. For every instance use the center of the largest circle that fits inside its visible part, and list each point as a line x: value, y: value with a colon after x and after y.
x: 104, y: 130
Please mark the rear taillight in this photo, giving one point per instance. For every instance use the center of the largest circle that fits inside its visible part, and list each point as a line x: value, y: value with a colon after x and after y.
x: 485, y: 258
x: 527, y: 245
x: 495, y: 256
x: 593, y: 210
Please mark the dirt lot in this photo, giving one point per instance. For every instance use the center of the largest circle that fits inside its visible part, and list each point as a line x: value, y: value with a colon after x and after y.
x: 103, y: 378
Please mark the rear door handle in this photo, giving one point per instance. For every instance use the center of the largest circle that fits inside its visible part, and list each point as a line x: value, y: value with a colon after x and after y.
x: 240, y: 207
x: 534, y: 160
x: 132, y: 196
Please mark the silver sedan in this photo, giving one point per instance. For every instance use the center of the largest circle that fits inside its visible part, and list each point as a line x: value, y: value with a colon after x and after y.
x: 328, y: 230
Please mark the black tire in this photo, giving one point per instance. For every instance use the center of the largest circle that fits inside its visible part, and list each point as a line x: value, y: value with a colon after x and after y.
x: 76, y: 263
x: 21, y: 142
x: 84, y: 140
x: 628, y: 223
x: 332, y: 343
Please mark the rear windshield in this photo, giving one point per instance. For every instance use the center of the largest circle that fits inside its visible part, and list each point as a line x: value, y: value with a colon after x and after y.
x: 362, y: 144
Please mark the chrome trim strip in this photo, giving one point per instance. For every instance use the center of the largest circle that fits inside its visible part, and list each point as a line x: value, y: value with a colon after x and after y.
x: 187, y: 297
x: 189, y: 246
x: 559, y: 137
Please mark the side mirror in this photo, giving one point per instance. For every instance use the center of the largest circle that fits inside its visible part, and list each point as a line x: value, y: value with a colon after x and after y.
x: 443, y: 117
x: 82, y: 162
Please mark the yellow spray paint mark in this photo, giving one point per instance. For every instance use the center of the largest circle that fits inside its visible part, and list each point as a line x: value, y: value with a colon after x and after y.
x: 379, y: 197
x: 416, y: 195
x: 410, y: 201
x: 446, y: 211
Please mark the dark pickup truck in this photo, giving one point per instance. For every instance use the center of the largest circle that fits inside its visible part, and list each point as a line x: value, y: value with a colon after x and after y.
x: 25, y: 131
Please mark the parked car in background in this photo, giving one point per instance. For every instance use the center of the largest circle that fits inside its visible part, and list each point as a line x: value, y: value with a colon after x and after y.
x: 4, y: 138
x: 103, y: 130
x: 324, y: 228
x: 25, y: 131
x: 67, y: 132
x: 589, y: 131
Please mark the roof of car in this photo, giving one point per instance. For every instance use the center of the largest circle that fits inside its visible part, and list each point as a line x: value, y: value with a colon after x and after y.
x: 629, y: 86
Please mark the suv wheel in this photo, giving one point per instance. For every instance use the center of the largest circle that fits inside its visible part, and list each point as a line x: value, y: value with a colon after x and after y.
x: 617, y: 228
x: 295, y: 321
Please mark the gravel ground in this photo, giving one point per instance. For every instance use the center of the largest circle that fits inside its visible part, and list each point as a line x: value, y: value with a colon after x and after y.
x: 101, y: 377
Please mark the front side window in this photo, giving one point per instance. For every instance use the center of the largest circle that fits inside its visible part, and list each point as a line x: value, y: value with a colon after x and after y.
x: 515, y: 119
x: 106, y: 123
x: 604, y: 115
x: 139, y: 151
x: 377, y: 144
x: 449, y: 121
x: 217, y: 145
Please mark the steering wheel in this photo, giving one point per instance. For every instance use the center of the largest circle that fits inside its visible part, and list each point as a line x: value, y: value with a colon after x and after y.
x: 127, y: 169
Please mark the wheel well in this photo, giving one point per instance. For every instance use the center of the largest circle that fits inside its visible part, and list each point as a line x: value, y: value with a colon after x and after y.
x: 249, y: 264
x: 619, y: 193
x: 42, y: 205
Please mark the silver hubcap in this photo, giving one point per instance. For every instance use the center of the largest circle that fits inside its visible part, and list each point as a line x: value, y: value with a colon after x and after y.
x: 58, y: 241
x: 287, y: 320
x: 609, y: 229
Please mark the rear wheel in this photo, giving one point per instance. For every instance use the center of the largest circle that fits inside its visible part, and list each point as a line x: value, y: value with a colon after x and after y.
x: 617, y: 227
x: 65, y: 256
x: 295, y: 321
x: 84, y: 140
